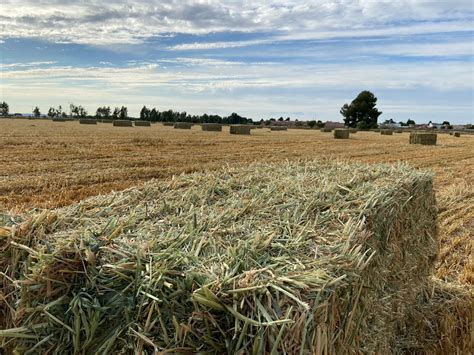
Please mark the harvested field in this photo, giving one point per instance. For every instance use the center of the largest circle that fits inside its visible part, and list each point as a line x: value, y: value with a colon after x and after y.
x: 73, y: 161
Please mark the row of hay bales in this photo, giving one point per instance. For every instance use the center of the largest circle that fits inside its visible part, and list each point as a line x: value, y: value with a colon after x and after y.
x: 342, y: 270
x: 116, y: 123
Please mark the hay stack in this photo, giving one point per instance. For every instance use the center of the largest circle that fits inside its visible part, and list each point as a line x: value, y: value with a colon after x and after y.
x: 278, y: 128
x: 353, y: 130
x: 217, y: 127
x: 182, y: 125
x: 87, y: 121
x: 248, y: 263
x: 326, y: 130
x: 123, y: 123
x: 341, y: 133
x: 386, y: 132
x: 457, y: 134
x: 424, y: 138
x: 142, y: 124
x: 240, y: 129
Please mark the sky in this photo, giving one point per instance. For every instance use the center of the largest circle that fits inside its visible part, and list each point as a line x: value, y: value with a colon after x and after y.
x: 261, y: 59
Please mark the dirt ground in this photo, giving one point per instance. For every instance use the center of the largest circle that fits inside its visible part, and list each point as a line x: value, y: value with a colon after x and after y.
x: 45, y: 164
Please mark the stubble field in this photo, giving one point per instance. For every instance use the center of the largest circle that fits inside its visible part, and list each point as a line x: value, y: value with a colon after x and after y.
x: 48, y: 164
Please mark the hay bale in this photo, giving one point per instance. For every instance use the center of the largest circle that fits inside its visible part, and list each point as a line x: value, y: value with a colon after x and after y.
x: 278, y: 128
x: 123, y: 123
x: 326, y: 130
x: 353, y: 130
x: 58, y: 119
x: 240, y: 129
x: 142, y: 124
x: 249, y: 263
x: 87, y: 121
x: 386, y: 132
x: 424, y: 138
x: 457, y: 134
x: 341, y: 133
x: 398, y: 131
x: 216, y: 127
x: 182, y: 125
x: 168, y: 124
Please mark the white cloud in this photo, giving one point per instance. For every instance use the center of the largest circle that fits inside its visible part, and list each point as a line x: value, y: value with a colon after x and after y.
x: 96, y: 22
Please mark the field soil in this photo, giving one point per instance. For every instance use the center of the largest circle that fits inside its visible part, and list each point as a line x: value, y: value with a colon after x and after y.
x: 47, y: 164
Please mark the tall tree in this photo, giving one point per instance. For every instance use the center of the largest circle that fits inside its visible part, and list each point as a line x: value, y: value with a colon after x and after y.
x: 36, y: 112
x: 145, y: 114
x: 361, y: 112
x: 123, y: 113
x: 4, y: 108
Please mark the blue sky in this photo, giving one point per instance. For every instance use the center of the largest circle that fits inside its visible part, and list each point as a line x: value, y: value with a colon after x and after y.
x: 261, y: 59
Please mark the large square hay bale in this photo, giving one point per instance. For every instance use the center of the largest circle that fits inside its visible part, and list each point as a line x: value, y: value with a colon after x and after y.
x: 312, y: 258
x: 340, y: 133
x: 142, y: 124
x: 353, y: 130
x: 240, y: 129
x: 123, y: 123
x: 183, y: 125
x: 278, y: 128
x: 87, y: 121
x: 457, y: 134
x: 386, y: 132
x: 424, y: 138
x: 217, y: 127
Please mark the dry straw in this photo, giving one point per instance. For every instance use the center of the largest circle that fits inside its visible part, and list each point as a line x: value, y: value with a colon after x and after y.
x: 341, y: 133
x: 424, y: 138
x: 270, y: 258
x: 87, y: 121
x: 217, y: 127
x: 123, y: 123
x: 183, y: 125
x: 240, y: 129
x: 142, y: 124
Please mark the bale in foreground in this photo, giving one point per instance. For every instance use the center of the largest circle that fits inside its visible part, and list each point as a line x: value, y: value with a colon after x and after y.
x: 423, y: 138
x: 289, y: 258
x: 142, y: 124
x: 341, y: 133
x: 183, y: 125
x: 240, y: 129
x: 87, y: 121
x: 123, y: 123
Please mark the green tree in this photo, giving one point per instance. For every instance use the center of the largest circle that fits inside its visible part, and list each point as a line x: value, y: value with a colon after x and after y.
x: 103, y: 112
x: 116, y: 113
x: 145, y: 114
x: 4, y: 108
x: 311, y: 124
x: 361, y: 112
x: 36, y: 112
x: 123, y: 113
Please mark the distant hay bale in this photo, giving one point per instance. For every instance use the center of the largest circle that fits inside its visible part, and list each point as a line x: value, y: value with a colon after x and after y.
x: 168, y: 124
x: 123, y: 123
x: 398, y: 131
x: 341, y: 133
x: 142, y: 124
x: 424, y: 138
x: 457, y: 134
x: 182, y: 125
x: 278, y: 128
x: 386, y: 132
x: 240, y: 129
x: 451, y: 133
x: 353, y: 130
x: 326, y: 130
x: 58, y: 119
x: 216, y: 127
x: 87, y: 121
